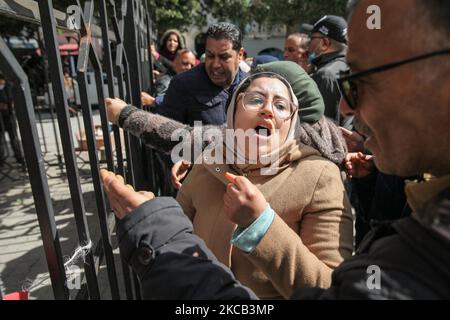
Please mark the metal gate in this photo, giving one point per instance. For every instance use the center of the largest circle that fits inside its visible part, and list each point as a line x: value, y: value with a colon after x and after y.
x: 124, y: 31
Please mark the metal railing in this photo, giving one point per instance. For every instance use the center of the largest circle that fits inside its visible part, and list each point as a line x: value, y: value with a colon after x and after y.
x: 125, y: 33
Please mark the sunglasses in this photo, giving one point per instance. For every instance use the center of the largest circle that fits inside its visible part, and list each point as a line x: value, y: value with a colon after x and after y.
x: 347, y: 81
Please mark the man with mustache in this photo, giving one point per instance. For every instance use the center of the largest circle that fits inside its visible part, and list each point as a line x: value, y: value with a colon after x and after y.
x: 201, y: 94
x: 405, y: 110
x: 326, y: 53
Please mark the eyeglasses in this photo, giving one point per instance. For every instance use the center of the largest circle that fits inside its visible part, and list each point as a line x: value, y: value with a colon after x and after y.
x: 348, y: 86
x: 282, y: 108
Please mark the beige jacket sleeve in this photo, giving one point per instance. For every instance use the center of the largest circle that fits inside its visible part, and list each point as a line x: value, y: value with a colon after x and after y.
x: 307, y: 258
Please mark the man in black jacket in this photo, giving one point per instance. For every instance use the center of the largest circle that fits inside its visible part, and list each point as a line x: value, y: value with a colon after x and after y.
x: 407, y: 130
x: 202, y: 93
x: 326, y: 52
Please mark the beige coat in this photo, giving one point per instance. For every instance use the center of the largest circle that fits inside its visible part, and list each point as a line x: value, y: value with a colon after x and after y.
x: 311, y: 234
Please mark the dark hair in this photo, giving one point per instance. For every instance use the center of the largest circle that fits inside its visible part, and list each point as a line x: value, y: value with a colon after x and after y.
x: 228, y: 31
x: 165, y: 37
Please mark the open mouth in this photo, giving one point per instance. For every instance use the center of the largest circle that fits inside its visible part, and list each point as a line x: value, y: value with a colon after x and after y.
x: 217, y: 74
x: 263, y: 131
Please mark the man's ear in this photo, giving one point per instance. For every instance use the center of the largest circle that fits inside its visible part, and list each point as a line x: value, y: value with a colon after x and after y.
x: 326, y: 43
x: 241, y: 54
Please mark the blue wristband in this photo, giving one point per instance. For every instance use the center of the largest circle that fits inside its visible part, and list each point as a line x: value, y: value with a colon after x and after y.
x: 248, y: 238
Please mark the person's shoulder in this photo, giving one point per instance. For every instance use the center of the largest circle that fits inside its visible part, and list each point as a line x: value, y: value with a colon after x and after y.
x: 386, y: 266
x: 395, y: 263
x: 198, y: 73
x: 325, y: 72
x: 332, y: 68
x: 314, y: 170
x: 313, y: 161
x: 192, y: 80
x: 165, y: 78
x: 243, y: 74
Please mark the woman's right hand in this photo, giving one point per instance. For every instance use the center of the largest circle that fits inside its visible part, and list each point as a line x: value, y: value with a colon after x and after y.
x: 179, y: 171
x: 113, y: 108
x: 243, y: 201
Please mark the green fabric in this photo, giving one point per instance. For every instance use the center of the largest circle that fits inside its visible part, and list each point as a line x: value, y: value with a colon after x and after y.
x: 311, y: 105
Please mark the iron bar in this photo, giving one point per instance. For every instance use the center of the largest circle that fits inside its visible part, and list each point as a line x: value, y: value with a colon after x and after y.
x: 86, y: 55
x: 65, y: 127
x: 35, y: 165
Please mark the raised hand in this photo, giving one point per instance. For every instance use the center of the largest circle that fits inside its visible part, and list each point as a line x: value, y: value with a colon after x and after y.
x: 122, y: 198
x: 243, y: 202
x: 358, y: 165
x: 178, y: 172
x: 355, y: 142
x: 113, y: 108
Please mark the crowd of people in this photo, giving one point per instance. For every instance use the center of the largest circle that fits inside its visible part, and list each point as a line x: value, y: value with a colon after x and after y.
x: 361, y: 171
x: 8, y: 126
x: 293, y: 178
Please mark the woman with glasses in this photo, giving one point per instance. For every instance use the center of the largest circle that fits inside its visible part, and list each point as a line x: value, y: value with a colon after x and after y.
x: 292, y: 223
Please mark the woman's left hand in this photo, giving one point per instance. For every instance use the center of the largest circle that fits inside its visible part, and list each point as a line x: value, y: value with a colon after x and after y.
x: 243, y: 202
x: 113, y: 108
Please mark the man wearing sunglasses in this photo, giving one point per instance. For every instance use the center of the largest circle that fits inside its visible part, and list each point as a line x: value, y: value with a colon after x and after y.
x: 400, y: 98
x: 326, y: 52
